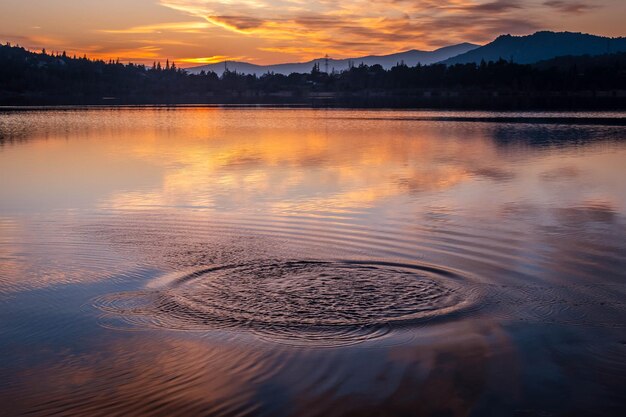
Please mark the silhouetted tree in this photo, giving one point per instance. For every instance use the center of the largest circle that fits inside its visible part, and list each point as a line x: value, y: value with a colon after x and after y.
x: 40, y: 75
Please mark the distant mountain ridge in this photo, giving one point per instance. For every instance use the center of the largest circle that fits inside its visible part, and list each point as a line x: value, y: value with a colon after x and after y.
x: 410, y: 58
x: 540, y: 46
x: 528, y: 49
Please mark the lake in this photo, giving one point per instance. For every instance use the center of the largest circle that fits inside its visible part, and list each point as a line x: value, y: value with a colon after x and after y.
x: 298, y: 262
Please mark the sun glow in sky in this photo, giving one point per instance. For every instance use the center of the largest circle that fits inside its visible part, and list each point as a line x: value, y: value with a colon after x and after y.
x: 193, y: 32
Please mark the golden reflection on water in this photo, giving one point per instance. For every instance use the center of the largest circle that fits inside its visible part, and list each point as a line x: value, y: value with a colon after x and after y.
x: 528, y: 218
x: 365, y: 173
x: 243, y: 158
x: 301, y: 164
x: 339, y: 165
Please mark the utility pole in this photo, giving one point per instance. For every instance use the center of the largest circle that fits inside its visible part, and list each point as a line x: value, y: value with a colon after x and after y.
x: 326, y: 63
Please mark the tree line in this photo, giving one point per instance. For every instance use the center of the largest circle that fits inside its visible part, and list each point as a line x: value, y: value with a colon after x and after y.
x: 31, y: 77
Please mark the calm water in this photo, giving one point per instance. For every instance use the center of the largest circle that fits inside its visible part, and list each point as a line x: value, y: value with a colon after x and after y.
x: 293, y: 262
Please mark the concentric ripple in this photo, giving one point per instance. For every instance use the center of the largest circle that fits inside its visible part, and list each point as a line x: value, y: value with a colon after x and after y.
x: 297, y: 302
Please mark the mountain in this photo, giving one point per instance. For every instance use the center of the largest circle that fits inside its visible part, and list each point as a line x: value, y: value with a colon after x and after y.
x: 540, y: 46
x: 410, y: 58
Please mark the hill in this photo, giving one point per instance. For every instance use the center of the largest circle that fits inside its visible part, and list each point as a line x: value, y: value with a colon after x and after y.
x: 540, y: 46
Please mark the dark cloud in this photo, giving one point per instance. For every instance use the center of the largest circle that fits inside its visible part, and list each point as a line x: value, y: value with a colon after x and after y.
x: 570, y: 6
x: 239, y: 22
x: 497, y: 6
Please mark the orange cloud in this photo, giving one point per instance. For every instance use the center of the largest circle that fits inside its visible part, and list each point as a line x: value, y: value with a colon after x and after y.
x: 275, y: 31
x: 211, y: 59
x: 313, y: 28
x: 185, y: 27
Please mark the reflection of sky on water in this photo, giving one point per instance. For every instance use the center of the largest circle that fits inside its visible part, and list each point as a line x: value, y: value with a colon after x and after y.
x: 200, y: 158
x: 96, y: 202
x: 389, y: 171
x: 337, y: 170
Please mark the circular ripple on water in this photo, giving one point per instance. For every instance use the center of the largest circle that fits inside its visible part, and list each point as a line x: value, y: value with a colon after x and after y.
x: 298, y: 302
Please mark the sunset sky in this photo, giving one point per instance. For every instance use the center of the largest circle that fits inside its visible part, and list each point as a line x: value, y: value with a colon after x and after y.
x: 193, y: 32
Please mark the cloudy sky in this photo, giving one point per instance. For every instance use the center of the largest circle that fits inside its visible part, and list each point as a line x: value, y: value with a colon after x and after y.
x: 193, y: 32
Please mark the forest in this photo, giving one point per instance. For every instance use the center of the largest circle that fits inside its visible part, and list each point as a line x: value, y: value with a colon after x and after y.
x: 32, y: 78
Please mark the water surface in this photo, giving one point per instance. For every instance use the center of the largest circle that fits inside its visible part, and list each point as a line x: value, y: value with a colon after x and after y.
x: 258, y: 261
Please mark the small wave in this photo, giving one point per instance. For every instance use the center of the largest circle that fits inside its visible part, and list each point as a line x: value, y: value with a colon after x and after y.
x: 595, y: 305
